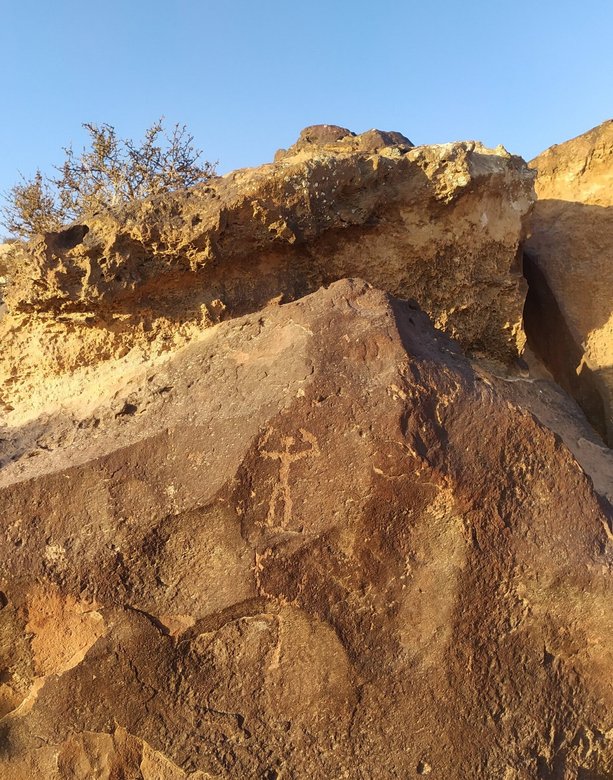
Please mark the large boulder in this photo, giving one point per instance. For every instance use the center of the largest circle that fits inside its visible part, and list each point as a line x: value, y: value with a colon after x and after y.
x: 317, y: 543
x: 569, y: 313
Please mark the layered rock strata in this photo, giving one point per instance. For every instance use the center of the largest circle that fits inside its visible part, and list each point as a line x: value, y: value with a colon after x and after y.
x: 439, y: 224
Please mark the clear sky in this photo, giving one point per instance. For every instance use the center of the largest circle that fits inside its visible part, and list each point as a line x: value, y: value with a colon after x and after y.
x: 247, y: 75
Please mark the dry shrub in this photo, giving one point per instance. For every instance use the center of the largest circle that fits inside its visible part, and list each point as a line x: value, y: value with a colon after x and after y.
x: 111, y: 172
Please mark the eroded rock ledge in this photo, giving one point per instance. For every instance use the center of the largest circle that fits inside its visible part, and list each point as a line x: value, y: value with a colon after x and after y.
x: 439, y: 224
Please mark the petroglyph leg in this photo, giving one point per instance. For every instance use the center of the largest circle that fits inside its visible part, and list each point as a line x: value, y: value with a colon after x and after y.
x: 281, y: 497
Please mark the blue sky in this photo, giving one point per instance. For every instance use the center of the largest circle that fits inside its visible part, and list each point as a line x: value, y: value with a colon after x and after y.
x: 247, y: 76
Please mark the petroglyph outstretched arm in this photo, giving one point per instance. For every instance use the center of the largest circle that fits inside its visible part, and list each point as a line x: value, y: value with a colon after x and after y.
x: 281, y: 491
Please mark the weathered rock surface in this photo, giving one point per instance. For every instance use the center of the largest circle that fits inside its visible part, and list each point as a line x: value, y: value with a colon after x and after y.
x: 332, y: 138
x: 317, y: 543
x: 313, y: 540
x: 439, y: 224
x: 4, y: 255
x: 535, y: 391
x: 570, y: 267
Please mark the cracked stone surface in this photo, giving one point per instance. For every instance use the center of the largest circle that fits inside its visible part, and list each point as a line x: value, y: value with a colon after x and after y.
x: 316, y: 542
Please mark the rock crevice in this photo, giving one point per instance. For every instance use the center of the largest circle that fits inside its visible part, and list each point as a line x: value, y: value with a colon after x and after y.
x: 571, y: 251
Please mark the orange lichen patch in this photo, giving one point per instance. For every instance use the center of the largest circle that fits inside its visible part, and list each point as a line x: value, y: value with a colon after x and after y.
x: 63, y: 629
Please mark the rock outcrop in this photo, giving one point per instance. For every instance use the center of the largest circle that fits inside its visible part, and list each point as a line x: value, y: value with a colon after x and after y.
x: 334, y: 139
x: 570, y: 267
x: 439, y: 224
x: 260, y: 520
x: 316, y: 543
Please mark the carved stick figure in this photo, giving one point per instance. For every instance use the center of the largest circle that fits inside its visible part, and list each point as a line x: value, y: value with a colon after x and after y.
x: 281, y: 491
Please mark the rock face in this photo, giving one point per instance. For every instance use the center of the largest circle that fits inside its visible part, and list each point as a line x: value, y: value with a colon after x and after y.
x: 440, y: 224
x: 316, y: 543
x: 263, y: 521
x: 5, y: 250
x: 570, y: 268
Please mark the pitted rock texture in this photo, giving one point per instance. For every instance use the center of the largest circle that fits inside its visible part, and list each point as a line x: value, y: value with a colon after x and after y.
x: 439, y: 224
x: 316, y: 544
x: 570, y: 267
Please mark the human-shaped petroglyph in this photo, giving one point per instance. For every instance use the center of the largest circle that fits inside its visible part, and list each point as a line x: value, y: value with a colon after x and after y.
x: 290, y: 452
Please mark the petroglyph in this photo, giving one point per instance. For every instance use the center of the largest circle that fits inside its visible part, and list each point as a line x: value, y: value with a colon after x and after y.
x: 290, y: 452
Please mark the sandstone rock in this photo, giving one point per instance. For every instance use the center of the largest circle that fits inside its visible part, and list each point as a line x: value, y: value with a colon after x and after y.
x: 439, y: 224
x: 4, y: 270
x: 331, y: 138
x: 323, y: 134
x: 570, y: 266
x: 316, y: 543
x: 4, y: 254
